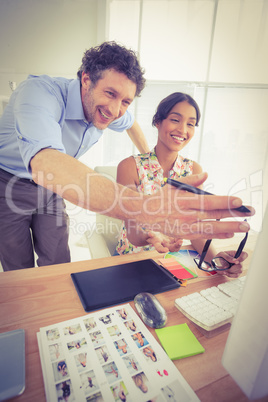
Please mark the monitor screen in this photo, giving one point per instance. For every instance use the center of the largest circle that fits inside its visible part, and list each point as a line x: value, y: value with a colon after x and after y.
x: 246, y: 353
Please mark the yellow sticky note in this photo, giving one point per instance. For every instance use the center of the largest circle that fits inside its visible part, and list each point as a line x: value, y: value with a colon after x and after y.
x: 179, y: 341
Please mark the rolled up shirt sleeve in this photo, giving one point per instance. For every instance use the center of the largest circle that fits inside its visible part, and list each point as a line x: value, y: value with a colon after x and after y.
x: 38, y: 114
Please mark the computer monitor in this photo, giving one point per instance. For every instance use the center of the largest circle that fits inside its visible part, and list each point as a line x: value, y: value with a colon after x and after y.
x: 246, y: 353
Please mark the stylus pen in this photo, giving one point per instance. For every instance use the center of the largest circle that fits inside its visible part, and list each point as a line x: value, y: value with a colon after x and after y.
x: 196, y: 190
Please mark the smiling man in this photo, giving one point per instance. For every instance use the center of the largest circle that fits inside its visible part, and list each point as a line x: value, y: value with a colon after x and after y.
x: 47, y: 125
x: 108, y: 100
x: 68, y: 117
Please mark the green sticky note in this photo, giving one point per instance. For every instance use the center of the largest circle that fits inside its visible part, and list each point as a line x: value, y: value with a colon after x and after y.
x: 179, y: 341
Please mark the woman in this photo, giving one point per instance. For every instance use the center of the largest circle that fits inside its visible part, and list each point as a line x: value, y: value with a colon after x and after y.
x: 176, y: 117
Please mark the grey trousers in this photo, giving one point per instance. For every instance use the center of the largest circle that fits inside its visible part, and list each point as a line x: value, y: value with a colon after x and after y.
x: 32, y: 218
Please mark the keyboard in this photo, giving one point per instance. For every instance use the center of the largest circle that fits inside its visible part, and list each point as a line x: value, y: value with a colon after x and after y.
x: 213, y: 307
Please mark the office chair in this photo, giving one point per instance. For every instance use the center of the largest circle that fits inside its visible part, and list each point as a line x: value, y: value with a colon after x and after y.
x: 103, y: 239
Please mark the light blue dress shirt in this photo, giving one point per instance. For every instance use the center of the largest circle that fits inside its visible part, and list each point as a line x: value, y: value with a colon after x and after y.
x: 46, y: 112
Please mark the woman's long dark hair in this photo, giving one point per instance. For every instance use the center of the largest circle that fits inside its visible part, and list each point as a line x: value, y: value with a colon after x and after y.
x: 166, y: 104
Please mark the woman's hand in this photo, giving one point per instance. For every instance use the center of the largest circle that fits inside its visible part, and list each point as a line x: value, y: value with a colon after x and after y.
x: 237, y: 268
x: 163, y: 243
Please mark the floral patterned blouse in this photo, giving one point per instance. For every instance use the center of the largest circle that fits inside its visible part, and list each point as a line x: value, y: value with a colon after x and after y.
x: 151, y: 179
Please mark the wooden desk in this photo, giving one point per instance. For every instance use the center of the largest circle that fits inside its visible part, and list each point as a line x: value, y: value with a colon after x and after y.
x: 37, y: 297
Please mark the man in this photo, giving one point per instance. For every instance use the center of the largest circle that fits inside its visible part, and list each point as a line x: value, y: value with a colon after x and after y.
x: 47, y: 125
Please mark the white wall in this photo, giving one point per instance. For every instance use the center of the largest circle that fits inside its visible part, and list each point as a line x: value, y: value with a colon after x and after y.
x: 45, y: 37
x: 215, y: 50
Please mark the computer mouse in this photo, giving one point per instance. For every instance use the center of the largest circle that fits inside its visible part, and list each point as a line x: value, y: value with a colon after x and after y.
x: 150, y: 310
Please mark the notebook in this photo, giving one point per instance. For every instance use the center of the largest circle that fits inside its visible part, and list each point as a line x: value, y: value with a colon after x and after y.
x: 117, y: 284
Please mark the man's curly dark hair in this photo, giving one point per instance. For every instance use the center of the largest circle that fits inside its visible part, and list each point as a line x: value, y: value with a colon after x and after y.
x: 110, y: 55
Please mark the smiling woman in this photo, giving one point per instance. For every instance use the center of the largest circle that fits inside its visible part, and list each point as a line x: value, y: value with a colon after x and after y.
x: 176, y: 117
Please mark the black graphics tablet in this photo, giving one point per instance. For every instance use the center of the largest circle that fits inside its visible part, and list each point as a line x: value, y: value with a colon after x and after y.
x: 117, y: 284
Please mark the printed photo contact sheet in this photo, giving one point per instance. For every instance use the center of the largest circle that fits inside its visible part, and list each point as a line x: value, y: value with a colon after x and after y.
x: 108, y: 356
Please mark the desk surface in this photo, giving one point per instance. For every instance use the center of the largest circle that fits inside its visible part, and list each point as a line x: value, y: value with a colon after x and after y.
x: 37, y: 297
